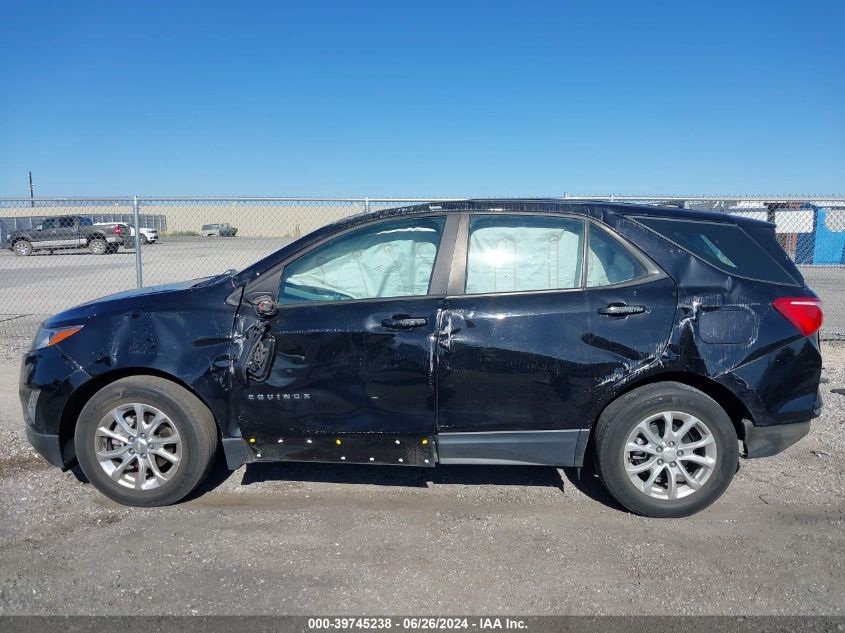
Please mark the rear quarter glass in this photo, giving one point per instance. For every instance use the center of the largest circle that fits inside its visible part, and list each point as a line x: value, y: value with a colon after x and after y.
x: 766, y: 237
x: 723, y: 245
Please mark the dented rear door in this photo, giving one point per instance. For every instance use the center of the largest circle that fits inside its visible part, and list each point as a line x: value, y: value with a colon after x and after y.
x: 521, y: 370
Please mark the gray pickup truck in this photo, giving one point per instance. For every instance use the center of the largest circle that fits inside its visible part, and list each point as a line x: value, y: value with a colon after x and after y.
x: 69, y: 231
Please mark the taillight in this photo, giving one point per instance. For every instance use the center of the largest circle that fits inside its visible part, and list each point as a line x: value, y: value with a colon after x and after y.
x: 805, y: 313
x: 116, y: 230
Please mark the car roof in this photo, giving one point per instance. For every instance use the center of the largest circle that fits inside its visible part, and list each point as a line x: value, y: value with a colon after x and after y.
x: 593, y: 208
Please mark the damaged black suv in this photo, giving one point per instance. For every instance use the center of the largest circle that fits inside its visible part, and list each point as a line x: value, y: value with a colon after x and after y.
x: 657, y: 342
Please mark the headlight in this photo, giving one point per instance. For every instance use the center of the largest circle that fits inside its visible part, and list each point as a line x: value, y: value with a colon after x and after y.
x: 50, y: 336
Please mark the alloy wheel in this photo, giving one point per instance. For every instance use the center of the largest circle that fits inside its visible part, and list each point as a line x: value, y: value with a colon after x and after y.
x: 138, y: 446
x: 670, y: 455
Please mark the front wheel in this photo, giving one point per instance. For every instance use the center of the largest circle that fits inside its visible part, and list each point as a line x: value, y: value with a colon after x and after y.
x: 666, y: 450
x: 145, y: 441
x: 144, y: 239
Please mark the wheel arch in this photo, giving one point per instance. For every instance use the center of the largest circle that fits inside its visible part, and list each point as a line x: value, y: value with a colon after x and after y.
x: 96, y: 235
x: 80, y: 397
x: 735, y: 408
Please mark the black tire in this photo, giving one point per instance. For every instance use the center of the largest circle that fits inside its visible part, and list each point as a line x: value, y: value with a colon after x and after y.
x: 191, y: 419
x: 98, y: 245
x: 144, y: 240
x: 620, y: 419
x: 22, y: 248
x: 111, y: 249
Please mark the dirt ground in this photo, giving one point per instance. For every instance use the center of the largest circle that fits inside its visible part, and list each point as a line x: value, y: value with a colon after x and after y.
x: 306, y: 539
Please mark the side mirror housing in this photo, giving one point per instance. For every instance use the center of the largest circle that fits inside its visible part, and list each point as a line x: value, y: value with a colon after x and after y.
x: 265, y: 307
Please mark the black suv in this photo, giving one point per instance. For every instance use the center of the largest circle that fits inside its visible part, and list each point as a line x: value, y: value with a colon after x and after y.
x: 651, y: 340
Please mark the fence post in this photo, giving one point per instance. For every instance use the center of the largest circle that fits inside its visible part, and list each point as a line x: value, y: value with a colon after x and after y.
x: 139, y: 279
x: 367, y: 204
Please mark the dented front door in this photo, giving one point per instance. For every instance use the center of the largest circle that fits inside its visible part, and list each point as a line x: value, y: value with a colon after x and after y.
x: 347, y: 367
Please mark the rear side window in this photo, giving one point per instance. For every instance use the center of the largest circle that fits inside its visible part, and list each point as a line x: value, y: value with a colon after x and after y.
x: 725, y: 246
x: 517, y: 253
x: 609, y: 262
x: 86, y: 222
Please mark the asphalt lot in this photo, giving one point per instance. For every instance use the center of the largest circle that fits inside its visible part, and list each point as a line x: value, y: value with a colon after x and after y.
x: 273, y: 539
x: 44, y: 284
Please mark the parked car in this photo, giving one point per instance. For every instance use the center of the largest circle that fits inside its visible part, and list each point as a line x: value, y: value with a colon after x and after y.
x: 219, y: 230
x: 650, y: 340
x: 65, y: 232
x: 148, y: 236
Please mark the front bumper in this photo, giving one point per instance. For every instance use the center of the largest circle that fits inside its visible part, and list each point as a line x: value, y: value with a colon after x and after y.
x: 48, y: 446
x: 48, y: 377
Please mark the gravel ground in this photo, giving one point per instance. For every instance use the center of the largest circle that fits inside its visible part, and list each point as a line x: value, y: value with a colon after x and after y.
x: 304, y: 539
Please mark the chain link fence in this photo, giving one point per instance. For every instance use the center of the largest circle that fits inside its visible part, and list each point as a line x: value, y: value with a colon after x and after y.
x: 82, y: 249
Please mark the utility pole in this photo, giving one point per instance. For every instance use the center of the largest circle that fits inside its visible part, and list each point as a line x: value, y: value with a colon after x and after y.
x: 31, y: 191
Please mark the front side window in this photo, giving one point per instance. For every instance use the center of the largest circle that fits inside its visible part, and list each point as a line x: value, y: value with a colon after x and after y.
x: 48, y: 224
x: 514, y: 253
x: 65, y: 223
x: 388, y: 259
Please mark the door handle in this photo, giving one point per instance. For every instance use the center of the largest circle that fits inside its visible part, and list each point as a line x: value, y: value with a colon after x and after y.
x: 403, y: 322
x: 620, y: 310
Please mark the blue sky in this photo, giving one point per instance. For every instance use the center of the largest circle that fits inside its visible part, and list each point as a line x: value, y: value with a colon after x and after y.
x: 422, y: 99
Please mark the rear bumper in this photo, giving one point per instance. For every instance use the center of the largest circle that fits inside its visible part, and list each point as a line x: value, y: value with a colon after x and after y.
x: 765, y: 441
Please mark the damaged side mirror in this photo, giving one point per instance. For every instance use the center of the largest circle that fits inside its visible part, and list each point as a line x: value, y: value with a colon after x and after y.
x: 265, y: 307
x: 258, y: 347
x: 256, y: 355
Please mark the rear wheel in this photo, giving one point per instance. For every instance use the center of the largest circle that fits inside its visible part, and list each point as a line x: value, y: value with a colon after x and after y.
x: 145, y: 441
x: 666, y: 450
x: 23, y: 248
x: 98, y: 246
